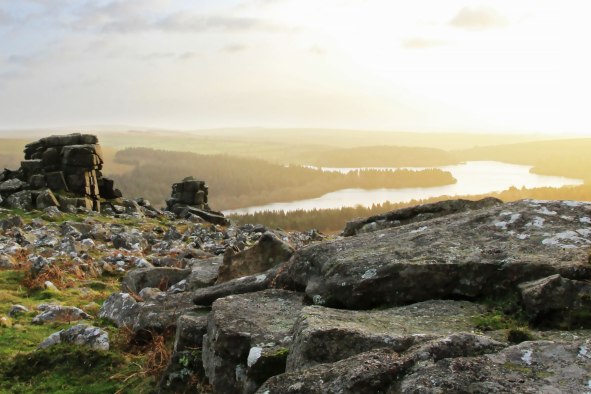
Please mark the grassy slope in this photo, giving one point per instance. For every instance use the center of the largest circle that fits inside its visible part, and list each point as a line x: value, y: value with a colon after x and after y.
x: 59, y: 371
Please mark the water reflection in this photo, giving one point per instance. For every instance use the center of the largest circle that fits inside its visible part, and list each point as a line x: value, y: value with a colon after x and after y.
x: 476, y: 177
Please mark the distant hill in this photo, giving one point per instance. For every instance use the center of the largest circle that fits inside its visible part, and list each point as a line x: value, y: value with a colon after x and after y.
x: 385, y: 156
x: 569, y: 158
x: 237, y: 182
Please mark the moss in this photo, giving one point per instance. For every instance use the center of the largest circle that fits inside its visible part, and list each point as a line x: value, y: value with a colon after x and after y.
x: 270, y: 365
x: 519, y: 334
x: 515, y: 367
x: 544, y: 375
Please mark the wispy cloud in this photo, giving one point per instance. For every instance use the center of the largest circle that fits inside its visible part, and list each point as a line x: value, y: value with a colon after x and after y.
x: 235, y: 47
x: 317, y: 50
x: 422, y: 43
x: 478, y: 18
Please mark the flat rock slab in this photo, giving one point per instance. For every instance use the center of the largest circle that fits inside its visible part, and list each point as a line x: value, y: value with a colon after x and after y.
x: 162, y: 277
x: 415, y: 214
x: 324, y: 335
x: 531, y: 367
x: 374, y: 372
x: 468, y: 254
x: 247, y: 284
x: 248, y: 337
x: 162, y: 311
x: 268, y: 252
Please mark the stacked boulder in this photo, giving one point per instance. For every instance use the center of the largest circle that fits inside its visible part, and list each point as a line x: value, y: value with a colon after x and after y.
x: 70, y: 164
x: 189, y: 198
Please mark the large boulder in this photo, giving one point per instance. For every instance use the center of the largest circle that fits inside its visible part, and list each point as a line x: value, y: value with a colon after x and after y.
x: 552, y: 294
x: 51, y: 313
x: 190, y: 329
x: 248, y: 339
x: 247, y: 284
x: 324, y: 335
x: 204, y: 273
x: 21, y: 200
x: 415, y: 214
x: 130, y: 240
x: 161, y: 278
x: 162, y: 311
x: 469, y: 254
x: 531, y: 367
x: 11, y: 186
x: 7, y: 261
x: 268, y: 252
x: 120, y: 308
x: 46, y: 199
x: 377, y: 371
x: 81, y: 335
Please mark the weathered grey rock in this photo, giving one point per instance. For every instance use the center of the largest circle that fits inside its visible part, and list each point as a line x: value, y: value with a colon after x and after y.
x: 489, y: 251
x: 11, y: 186
x: 204, y: 273
x: 7, y: 261
x: 37, y: 182
x: 46, y: 199
x: 324, y: 335
x: 81, y: 335
x: 20, y: 200
x: 132, y: 207
x: 60, y: 313
x: 552, y: 294
x: 247, y: 340
x: 37, y: 223
x: 50, y: 286
x: 161, y: 277
x: 190, y: 330
x: 268, y: 252
x: 247, y: 284
x: 172, y: 234
x: 148, y: 292
x: 39, y: 265
x: 52, y: 214
x: 130, y: 240
x: 415, y: 214
x: 16, y: 309
x: 162, y: 311
x: 531, y: 367
x: 56, y: 181
x: 120, y: 308
x: 375, y: 371
x: 209, y: 217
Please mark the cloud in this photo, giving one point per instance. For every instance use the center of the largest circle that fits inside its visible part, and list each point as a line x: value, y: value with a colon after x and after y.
x: 478, y: 18
x: 317, y: 50
x: 236, y: 47
x: 422, y: 43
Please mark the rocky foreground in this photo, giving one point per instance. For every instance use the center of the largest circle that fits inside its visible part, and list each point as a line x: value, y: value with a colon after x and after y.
x: 458, y: 296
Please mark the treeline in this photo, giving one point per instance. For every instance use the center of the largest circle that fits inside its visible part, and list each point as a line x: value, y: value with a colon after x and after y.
x: 334, y: 220
x: 569, y: 158
x: 385, y: 156
x: 237, y: 182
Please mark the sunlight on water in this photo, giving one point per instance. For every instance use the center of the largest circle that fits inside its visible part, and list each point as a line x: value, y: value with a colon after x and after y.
x: 476, y: 177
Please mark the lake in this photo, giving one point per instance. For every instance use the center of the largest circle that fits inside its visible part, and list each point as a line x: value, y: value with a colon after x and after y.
x: 475, y: 177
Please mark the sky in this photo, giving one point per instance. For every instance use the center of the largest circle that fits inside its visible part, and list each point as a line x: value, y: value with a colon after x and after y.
x: 441, y: 65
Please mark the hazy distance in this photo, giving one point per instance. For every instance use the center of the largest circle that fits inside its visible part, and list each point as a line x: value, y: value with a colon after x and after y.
x: 455, y: 65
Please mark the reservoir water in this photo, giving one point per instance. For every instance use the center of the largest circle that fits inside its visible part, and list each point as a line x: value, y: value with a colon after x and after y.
x: 475, y: 177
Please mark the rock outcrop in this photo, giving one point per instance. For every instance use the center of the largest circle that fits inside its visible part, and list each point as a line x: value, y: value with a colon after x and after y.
x: 189, y: 197
x: 69, y: 164
x: 248, y: 339
x: 81, y: 335
x: 415, y: 214
x: 469, y: 254
x: 268, y: 252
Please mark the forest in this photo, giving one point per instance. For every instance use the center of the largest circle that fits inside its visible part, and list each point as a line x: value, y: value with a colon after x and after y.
x: 334, y: 220
x: 385, y: 156
x: 236, y: 182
